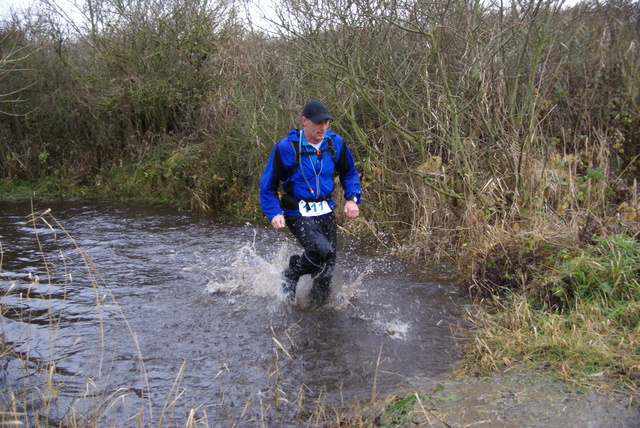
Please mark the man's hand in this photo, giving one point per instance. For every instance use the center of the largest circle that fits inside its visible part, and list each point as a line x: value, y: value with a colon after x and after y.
x: 278, y: 222
x: 351, y: 209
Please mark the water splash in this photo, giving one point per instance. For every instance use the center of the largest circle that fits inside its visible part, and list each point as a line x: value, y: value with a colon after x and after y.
x: 396, y: 328
x: 250, y: 273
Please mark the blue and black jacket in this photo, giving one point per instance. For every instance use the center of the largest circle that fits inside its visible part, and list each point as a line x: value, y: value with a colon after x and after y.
x: 308, y: 176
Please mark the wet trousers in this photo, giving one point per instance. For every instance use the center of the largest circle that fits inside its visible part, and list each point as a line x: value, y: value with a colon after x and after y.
x: 318, y: 237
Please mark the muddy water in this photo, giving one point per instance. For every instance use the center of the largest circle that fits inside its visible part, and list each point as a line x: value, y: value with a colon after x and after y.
x: 133, y: 313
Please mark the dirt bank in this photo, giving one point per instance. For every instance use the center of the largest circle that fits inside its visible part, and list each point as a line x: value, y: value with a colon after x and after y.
x: 515, y: 398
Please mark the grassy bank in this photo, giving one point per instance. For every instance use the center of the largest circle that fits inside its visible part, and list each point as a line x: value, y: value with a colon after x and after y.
x: 503, y: 139
x: 579, y: 315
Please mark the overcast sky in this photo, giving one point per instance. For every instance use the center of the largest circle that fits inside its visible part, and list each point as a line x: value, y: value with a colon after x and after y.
x: 258, y: 7
x: 7, y: 5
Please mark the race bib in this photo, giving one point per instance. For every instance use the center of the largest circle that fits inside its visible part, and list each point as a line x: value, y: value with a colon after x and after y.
x: 312, y: 209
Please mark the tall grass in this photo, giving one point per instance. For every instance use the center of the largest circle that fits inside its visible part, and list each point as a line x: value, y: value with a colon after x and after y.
x: 458, y: 111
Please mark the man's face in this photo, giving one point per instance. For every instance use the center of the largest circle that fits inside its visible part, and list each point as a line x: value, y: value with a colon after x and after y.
x: 314, y: 132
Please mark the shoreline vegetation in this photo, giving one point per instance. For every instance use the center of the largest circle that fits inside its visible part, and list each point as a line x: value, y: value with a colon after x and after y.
x: 499, y: 137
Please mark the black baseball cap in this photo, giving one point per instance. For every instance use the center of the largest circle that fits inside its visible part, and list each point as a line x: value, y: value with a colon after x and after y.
x: 315, y: 111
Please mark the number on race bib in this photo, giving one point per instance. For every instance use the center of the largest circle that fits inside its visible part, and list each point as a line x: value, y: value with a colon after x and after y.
x: 313, y: 209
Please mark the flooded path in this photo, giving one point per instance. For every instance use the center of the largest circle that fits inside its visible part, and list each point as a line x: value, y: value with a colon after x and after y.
x: 148, y: 314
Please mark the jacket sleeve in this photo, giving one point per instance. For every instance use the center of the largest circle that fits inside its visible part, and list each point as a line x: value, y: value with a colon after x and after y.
x: 348, y: 174
x: 273, y: 174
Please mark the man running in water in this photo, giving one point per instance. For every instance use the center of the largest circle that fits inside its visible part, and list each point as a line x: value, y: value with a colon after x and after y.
x: 304, y: 162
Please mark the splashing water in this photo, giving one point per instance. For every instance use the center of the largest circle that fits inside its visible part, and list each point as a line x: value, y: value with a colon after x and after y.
x: 395, y: 328
x: 250, y: 273
x: 253, y: 274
